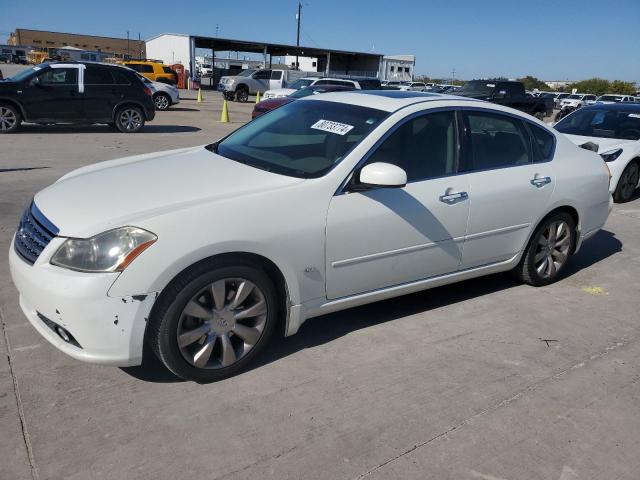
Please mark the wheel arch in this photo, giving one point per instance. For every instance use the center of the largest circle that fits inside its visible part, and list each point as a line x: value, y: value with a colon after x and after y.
x: 15, y: 104
x: 127, y: 103
x: 566, y: 208
x: 274, y: 273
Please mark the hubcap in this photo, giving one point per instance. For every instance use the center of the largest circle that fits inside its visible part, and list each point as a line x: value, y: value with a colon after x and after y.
x: 161, y: 102
x: 7, y: 119
x: 552, y: 249
x: 130, y: 119
x: 222, y: 323
x: 630, y: 180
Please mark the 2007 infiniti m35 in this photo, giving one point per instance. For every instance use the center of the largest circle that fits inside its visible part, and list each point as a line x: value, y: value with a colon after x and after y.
x: 326, y: 203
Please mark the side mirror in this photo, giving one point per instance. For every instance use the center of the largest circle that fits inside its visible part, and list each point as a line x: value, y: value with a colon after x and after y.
x: 382, y: 175
x: 500, y: 95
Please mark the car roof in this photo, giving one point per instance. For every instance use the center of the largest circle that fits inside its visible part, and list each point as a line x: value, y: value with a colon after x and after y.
x: 622, y: 107
x: 390, y: 100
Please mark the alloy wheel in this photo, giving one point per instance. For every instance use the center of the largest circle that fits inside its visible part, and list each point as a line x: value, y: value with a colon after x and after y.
x: 552, y: 250
x: 222, y: 323
x: 130, y: 119
x: 162, y: 102
x: 8, y: 119
x: 629, y: 180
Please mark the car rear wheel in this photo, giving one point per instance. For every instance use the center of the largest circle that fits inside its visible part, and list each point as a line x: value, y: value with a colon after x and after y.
x: 242, y: 95
x: 10, y: 118
x: 548, y: 251
x: 628, y: 183
x: 214, y: 320
x: 129, y: 119
x: 162, y: 101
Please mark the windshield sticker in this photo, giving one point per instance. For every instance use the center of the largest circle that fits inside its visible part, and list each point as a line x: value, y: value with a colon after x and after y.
x: 332, y: 127
x: 491, y: 85
x: 634, y: 115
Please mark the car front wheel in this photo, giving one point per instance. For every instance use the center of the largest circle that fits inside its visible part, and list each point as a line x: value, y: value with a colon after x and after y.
x: 628, y: 183
x: 548, y: 251
x: 213, y: 320
x: 162, y: 101
x: 129, y: 119
x: 242, y: 95
x: 9, y: 118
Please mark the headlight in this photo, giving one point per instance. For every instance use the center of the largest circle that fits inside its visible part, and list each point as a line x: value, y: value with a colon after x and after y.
x: 110, y: 251
x: 611, y: 156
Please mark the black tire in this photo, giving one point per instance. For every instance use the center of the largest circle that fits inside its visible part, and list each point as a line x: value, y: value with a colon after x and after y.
x: 628, y: 183
x: 526, y: 269
x: 162, y: 101
x: 127, y: 112
x: 242, y: 95
x: 10, y: 118
x: 229, y: 96
x: 162, y: 333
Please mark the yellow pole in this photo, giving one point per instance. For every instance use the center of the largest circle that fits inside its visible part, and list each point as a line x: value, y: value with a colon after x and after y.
x: 224, y: 117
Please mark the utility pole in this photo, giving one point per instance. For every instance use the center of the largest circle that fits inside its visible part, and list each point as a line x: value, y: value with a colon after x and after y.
x: 139, y: 47
x: 128, y: 47
x: 453, y: 75
x: 217, y: 28
x: 298, y: 17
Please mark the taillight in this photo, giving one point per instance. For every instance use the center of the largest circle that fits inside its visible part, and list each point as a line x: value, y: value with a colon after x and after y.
x: 148, y: 91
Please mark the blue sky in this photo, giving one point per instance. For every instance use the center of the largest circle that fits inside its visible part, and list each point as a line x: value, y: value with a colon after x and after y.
x: 553, y: 40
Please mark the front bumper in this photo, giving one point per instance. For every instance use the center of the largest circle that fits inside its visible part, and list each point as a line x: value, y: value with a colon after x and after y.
x: 227, y: 87
x: 109, y: 330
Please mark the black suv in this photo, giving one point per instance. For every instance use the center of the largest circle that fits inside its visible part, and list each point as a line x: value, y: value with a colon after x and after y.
x: 70, y: 92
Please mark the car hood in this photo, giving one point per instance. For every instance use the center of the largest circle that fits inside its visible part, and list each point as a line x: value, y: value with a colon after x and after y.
x: 272, y: 103
x: 120, y: 192
x: 280, y: 91
x: 604, y: 144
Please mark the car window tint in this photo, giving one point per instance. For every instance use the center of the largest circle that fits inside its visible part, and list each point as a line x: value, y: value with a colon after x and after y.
x: 97, y: 76
x: 167, y: 70
x: 121, y: 78
x: 262, y: 75
x: 544, y: 142
x: 59, y: 76
x: 276, y: 75
x: 494, y: 141
x: 425, y: 147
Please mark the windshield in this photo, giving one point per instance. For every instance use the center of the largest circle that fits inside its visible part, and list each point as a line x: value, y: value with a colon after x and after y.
x: 301, y: 83
x: 245, y: 73
x: 563, y: 95
x: 602, y: 123
x: 24, y: 74
x: 574, y: 97
x: 305, y: 92
x: 610, y: 98
x: 477, y: 87
x: 302, y: 139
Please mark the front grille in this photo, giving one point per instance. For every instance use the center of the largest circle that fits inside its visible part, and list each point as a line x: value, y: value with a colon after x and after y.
x: 34, y: 233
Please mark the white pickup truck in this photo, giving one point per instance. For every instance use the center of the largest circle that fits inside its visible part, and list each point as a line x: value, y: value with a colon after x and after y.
x: 250, y: 82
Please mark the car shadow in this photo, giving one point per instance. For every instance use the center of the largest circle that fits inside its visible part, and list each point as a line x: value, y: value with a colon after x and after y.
x: 320, y: 330
x: 62, y: 129
x: 182, y: 109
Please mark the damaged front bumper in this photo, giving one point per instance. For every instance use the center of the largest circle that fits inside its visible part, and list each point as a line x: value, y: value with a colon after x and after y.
x: 107, y: 330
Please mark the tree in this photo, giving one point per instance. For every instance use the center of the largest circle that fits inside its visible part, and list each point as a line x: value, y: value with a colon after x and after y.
x: 624, y: 88
x: 600, y: 86
x: 532, y: 83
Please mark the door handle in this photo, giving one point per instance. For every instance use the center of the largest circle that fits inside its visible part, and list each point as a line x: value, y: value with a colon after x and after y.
x: 453, y: 197
x: 539, y: 182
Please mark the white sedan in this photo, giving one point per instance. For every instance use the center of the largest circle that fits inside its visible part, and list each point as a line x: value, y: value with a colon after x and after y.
x: 614, y: 132
x: 329, y: 202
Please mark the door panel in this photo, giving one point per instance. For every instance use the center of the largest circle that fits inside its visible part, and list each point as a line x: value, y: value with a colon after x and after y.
x: 100, y: 93
x: 508, y: 192
x: 389, y: 236
x: 386, y: 237
x: 54, y: 96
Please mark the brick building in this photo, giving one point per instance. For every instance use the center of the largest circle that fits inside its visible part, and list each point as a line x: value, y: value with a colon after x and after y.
x: 39, y: 39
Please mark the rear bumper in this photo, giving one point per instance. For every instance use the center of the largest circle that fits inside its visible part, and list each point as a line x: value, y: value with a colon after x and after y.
x: 109, y: 330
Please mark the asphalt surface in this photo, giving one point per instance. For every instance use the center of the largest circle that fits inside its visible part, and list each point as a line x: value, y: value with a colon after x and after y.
x: 487, y: 379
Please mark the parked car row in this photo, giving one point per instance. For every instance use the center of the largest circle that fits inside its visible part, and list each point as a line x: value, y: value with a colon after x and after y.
x: 82, y: 93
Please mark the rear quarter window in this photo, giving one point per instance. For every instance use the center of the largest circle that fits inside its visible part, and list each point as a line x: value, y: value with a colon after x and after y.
x: 543, y: 144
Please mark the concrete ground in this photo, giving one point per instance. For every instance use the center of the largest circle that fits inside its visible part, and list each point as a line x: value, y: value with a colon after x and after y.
x: 487, y: 379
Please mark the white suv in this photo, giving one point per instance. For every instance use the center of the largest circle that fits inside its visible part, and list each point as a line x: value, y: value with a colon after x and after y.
x: 205, y: 252
x: 578, y: 100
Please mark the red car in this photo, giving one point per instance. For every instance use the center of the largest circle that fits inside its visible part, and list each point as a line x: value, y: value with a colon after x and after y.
x: 273, y: 103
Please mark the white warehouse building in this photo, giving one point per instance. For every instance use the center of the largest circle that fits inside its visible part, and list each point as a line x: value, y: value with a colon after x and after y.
x: 398, y: 67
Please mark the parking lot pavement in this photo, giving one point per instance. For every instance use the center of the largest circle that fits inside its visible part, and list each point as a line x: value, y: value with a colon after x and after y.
x: 487, y: 379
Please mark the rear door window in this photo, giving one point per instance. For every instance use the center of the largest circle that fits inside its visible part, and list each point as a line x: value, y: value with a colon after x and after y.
x: 543, y: 144
x: 276, y: 74
x: 97, y: 76
x: 494, y: 141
